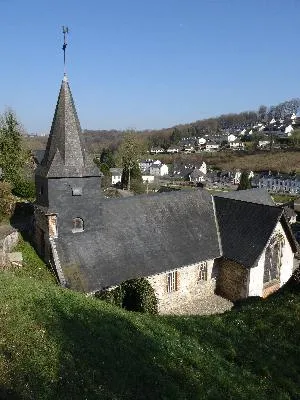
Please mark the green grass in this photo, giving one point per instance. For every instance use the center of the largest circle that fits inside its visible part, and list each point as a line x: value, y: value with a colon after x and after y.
x: 33, y: 266
x: 282, y: 198
x: 58, y: 344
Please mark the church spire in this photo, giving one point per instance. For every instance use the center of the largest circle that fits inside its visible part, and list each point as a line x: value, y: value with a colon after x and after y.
x: 65, y: 154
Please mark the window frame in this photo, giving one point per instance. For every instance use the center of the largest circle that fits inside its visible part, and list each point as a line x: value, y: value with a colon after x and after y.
x: 202, y: 272
x: 268, y: 271
x: 172, y: 281
x: 78, y: 224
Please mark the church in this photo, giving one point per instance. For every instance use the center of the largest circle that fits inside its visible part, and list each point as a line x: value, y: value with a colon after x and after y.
x: 188, y: 244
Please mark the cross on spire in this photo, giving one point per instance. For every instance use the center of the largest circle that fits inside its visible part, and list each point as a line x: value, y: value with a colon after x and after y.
x: 65, y: 32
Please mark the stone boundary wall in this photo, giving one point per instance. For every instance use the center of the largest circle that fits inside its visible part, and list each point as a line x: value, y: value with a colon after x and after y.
x: 7, y: 243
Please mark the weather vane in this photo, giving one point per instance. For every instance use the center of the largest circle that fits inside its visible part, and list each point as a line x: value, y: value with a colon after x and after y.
x: 65, y: 31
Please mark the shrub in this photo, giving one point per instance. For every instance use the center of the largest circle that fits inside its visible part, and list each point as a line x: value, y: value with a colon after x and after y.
x: 113, y: 296
x: 7, y: 202
x: 139, y: 296
x: 137, y: 186
x: 293, y: 283
x: 133, y: 295
x: 24, y: 188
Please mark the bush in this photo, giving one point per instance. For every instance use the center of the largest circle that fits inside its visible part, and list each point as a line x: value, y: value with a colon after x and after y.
x: 7, y: 203
x: 138, y: 295
x: 133, y: 295
x: 293, y: 283
x: 24, y: 188
x: 137, y: 186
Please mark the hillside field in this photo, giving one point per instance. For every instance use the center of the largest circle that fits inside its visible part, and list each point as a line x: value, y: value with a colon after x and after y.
x: 283, y: 161
x: 58, y: 344
x: 278, y: 160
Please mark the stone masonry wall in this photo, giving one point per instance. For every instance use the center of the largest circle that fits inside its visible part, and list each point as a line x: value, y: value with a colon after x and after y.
x: 7, y: 242
x: 232, y: 280
x: 188, y: 286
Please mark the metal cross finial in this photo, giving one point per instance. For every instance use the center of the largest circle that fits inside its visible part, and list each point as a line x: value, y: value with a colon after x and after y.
x: 65, y: 31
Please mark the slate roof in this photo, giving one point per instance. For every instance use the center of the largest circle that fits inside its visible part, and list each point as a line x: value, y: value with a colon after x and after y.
x: 245, y: 228
x: 116, y: 171
x: 38, y: 155
x: 65, y: 154
x: 258, y: 196
x: 142, y: 236
x: 196, y: 173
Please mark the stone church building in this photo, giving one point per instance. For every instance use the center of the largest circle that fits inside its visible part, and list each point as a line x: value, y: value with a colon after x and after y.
x: 188, y: 244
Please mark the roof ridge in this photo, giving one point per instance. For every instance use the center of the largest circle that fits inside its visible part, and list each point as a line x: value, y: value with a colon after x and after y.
x: 249, y: 201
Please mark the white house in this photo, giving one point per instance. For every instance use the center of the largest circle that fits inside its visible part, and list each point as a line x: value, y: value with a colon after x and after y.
x: 263, y: 143
x: 116, y: 175
x: 201, y: 141
x: 173, y: 149
x: 237, y: 145
x: 156, y: 162
x: 236, y: 177
x: 157, y: 150
x: 211, y: 146
x: 231, y: 138
x: 145, y: 165
x: 203, y: 168
x: 148, y: 178
x: 157, y: 169
x: 289, y: 130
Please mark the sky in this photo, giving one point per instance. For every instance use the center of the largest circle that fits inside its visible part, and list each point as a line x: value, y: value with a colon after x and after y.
x: 147, y: 64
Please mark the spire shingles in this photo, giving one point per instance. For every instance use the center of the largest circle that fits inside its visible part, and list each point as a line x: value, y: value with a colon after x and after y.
x: 65, y: 154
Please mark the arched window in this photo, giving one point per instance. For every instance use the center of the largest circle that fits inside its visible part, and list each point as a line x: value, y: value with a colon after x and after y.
x: 273, y: 259
x: 78, y: 225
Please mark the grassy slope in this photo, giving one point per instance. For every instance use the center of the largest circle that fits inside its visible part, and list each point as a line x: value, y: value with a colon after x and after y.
x: 284, y: 161
x: 55, y: 343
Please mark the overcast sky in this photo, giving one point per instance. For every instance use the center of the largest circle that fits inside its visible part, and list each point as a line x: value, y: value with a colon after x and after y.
x: 147, y: 63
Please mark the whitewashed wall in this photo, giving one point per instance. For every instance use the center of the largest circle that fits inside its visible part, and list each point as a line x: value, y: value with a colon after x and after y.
x: 255, y: 287
x: 287, y: 258
x: 256, y: 277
